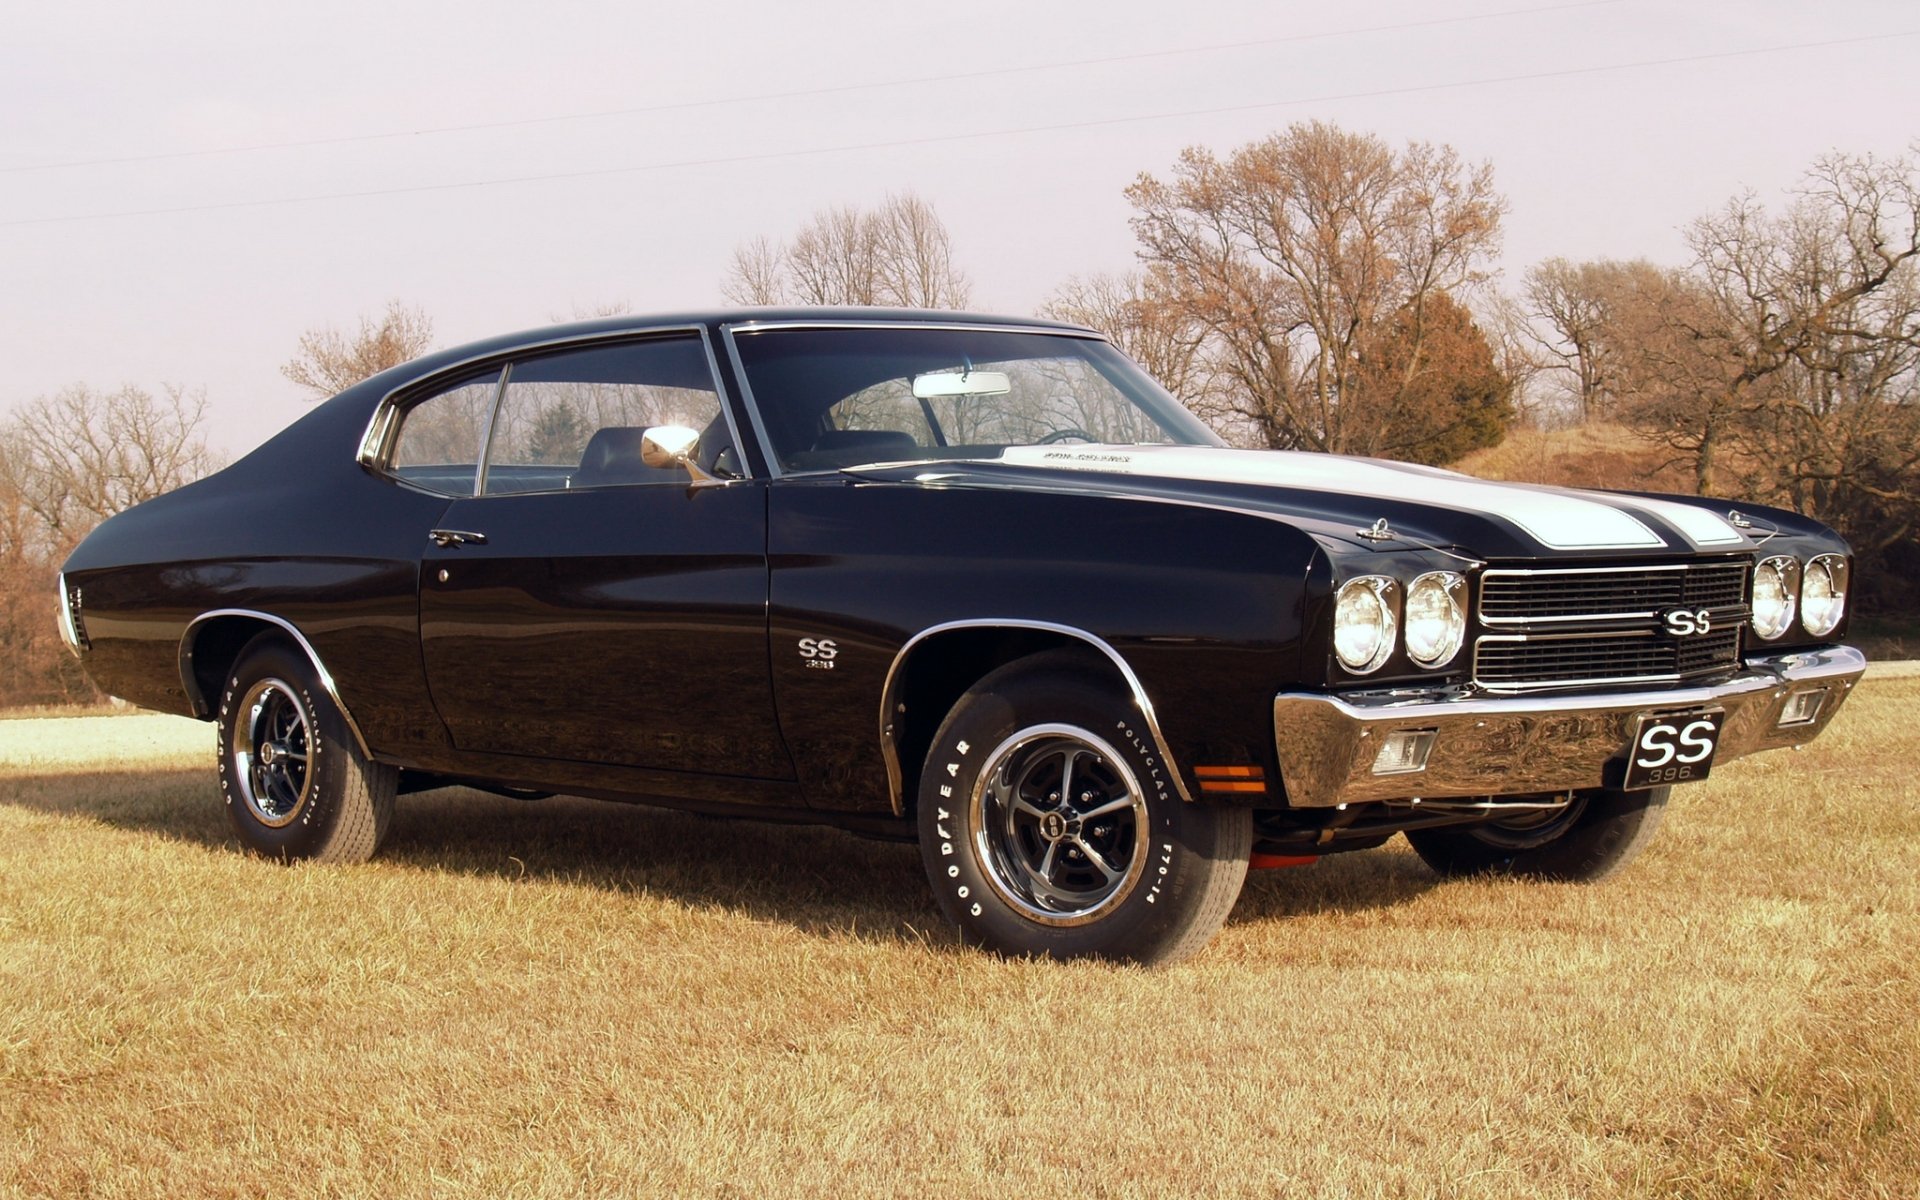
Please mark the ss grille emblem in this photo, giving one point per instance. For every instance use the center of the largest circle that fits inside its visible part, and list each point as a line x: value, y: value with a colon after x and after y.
x: 1682, y: 623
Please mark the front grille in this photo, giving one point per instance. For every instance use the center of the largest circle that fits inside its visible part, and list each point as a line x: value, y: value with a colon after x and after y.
x: 1639, y: 657
x: 1567, y: 626
x: 1708, y: 653
x: 1513, y: 597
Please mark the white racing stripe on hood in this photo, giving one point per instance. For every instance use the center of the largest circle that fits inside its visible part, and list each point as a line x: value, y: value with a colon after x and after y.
x: 1702, y: 528
x: 1557, y: 520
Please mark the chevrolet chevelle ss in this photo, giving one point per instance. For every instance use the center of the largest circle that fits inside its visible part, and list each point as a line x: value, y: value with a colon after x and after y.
x: 975, y: 582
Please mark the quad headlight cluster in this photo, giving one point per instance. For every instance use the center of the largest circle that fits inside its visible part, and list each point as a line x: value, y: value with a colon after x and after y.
x: 1783, y: 587
x: 1367, y: 620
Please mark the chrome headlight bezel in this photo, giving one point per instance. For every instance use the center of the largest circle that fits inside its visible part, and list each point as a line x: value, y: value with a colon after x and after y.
x: 1822, y: 616
x: 1451, y: 588
x: 1786, y: 570
x: 1379, y: 594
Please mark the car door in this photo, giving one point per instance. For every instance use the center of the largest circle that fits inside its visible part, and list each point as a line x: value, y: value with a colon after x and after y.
x: 586, y: 607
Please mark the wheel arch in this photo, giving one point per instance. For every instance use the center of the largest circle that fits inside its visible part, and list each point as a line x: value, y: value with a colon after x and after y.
x: 213, y: 640
x: 936, y: 666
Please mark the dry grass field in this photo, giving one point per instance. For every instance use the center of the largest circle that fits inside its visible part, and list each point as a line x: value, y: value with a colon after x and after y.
x: 578, y: 999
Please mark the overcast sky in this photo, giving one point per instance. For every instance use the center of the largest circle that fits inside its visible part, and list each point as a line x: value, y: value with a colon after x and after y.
x: 160, y: 223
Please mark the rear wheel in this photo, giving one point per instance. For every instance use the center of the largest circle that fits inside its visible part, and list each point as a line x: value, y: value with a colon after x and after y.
x: 295, y: 783
x: 1592, y: 838
x: 1049, y: 825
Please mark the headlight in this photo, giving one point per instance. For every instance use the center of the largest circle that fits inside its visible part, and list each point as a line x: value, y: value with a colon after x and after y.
x: 1776, y: 593
x: 1823, y: 594
x: 1364, y: 622
x: 1436, y: 617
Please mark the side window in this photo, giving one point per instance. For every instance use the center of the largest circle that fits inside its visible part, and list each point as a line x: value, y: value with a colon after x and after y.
x: 440, y: 439
x: 574, y: 419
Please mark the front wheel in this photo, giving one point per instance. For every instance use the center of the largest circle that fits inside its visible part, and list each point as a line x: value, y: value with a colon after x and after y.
x: 1596, y: 835
x: 1049, y: 826
x: 296, y: 785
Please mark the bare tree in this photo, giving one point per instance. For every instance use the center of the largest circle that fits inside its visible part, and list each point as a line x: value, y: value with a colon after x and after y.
x: 1296, y: 251
x: 1509, y: 331
x: 756, y: 274
x: 1136, y: 313
x: 589, y: 312
x: 1819, y: 323
x: 897, y: 255
x: 1809, y: 323
x: 913, y: 258
x: 330, y: 362
x: 78, y: 457
x: 1588, y: 311
x: 68, y: 462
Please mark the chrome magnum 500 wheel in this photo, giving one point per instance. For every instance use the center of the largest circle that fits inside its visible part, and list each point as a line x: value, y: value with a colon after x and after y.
x: 1059, y: 824
x: 1049, y: 825
x: 295, y: 784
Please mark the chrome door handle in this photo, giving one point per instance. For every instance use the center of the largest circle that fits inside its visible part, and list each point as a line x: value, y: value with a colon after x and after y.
x: 456, y: 537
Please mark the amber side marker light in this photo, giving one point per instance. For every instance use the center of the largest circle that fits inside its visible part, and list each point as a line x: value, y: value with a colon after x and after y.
x: 1226, y: 779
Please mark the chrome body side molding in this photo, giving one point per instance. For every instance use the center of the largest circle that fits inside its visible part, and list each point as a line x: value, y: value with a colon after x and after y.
x: 890, y: 750
x: 202, y: 708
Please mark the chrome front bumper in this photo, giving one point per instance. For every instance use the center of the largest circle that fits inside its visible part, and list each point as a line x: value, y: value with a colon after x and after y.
x: 1503, y: 746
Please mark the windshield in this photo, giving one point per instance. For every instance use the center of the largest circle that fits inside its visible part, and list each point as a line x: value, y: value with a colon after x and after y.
x: 837, y: 398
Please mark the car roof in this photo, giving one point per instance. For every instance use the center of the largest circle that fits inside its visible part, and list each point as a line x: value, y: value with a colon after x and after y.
x: 772, y: 314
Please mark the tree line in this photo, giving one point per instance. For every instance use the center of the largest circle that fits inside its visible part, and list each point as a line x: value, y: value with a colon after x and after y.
x: 1319, y: 289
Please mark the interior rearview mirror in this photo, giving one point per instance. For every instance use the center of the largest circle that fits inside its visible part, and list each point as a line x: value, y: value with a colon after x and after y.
x: 935, y: 384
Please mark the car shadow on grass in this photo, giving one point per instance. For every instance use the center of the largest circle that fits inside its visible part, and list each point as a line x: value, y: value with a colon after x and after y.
x: 1358, y: 881
x: 819, y: 880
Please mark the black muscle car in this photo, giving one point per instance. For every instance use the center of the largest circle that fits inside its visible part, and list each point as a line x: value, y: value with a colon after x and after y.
x: 977, y: 582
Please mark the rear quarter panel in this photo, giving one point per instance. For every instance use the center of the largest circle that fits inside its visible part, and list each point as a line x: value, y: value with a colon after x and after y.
x: 297, y: 529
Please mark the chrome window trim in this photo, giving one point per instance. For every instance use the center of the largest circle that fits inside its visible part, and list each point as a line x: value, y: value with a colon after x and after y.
x: 758, y: 326
x: 486, y: 439
x: 890, y: 751
x: 730, y: 328
x: 199, y: 701
x: 774, y: 470
x: 382, y: 425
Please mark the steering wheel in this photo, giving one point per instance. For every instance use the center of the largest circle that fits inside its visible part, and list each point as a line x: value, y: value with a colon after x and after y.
x: 1061, y: 435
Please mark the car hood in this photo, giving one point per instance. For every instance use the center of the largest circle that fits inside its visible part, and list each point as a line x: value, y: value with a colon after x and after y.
x: 1338, y: 496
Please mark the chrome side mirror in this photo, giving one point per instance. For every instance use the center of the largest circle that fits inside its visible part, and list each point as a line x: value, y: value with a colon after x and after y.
x: 673, y: 446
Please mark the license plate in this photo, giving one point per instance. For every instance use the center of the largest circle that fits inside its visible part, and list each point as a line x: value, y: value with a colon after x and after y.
x: 1673, y: 748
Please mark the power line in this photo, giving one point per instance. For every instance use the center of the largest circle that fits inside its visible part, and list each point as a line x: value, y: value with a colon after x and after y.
x: 900, y: 143
x: 840, y: 89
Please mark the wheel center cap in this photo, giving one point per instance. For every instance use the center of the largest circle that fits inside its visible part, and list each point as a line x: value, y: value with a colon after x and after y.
x: 1053, y: 826
x: 269, y: 753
